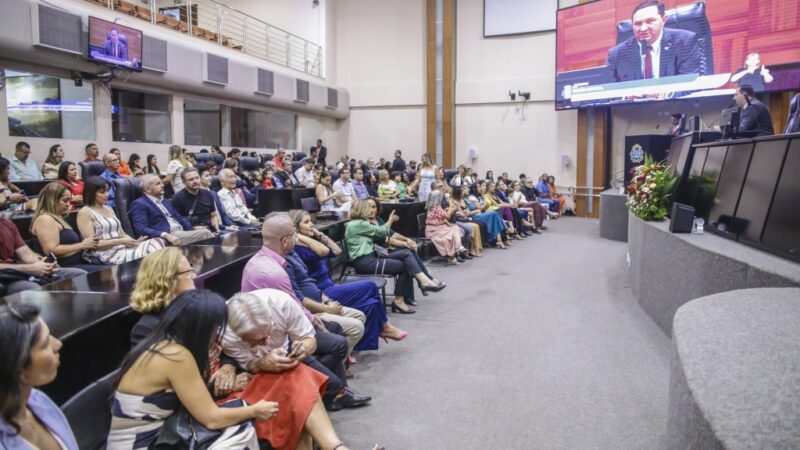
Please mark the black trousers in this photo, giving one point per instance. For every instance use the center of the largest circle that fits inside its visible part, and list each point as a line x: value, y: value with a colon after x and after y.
x: 400, y: 262
x: 329, y: 359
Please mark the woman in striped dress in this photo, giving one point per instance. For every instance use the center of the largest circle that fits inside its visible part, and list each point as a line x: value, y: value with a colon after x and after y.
x: 99, y: 221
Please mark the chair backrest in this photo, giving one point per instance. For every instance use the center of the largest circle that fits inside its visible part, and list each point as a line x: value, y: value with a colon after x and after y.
x: 338, y: 262
x: 793, y: 122
x: 216, y: 184
x: 265, y: 157
x: 203, y: 158
x: 691, y: 17
x: 127, y: 190
x: 249, y: 164
x: 334, y: 175
x: 411, y: 174
x: 310, y: 204
x: 91, y: 168
x: 421, y: 224
x: 299, y: 156
x: 449, y: 174
x: 89, y: 413
x: 296, y: 165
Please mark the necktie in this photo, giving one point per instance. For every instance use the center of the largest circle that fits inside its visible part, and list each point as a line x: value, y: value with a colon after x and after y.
x: 648, y: 62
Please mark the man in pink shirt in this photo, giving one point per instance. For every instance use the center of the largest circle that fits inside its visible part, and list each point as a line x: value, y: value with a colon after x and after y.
x: 266, y: 270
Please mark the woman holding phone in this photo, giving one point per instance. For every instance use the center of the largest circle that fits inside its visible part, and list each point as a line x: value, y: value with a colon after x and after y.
x: 367, y: 258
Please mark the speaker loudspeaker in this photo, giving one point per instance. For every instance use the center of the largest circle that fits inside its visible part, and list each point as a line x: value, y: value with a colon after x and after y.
x: 473, y: 153
x: 681, y: 219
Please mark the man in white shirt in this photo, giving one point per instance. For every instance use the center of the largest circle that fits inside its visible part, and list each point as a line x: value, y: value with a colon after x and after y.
x: 345, y: 187
x: 232, y: 200
x: 23, y: 167
x: 305, y: 174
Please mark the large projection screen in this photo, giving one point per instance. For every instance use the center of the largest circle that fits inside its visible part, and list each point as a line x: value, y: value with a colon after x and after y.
x: 507, y: 17
x: 610, y: 52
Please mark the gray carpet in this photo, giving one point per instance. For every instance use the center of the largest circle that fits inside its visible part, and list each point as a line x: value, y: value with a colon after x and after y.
x: 537, y: 347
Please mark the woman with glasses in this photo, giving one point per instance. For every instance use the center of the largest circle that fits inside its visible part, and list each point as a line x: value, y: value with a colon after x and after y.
x: 28, y: 418
x: 171, y: 367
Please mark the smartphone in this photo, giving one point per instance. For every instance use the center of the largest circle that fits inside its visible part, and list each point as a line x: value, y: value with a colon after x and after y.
x: 51, y: 258
x: 295, y: 351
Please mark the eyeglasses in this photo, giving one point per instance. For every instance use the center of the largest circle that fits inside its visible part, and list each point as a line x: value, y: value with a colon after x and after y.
x: 186, y: 271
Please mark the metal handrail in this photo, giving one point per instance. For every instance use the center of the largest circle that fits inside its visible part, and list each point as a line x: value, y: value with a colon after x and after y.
x: 224, y: 25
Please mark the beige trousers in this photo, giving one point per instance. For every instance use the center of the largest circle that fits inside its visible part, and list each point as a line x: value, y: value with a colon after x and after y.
x: 192, y: 236
x: 352, y: 322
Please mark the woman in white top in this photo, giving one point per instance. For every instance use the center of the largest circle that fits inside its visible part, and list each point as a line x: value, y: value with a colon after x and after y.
x: 327, y: 198
x: 98, y: 220
x: 177, y: 164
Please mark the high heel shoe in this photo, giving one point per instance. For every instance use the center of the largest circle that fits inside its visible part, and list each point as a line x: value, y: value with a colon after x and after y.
x: 424, y: 293
x: 400, y: 336
x: 436, y: 288
x: 397, y: 309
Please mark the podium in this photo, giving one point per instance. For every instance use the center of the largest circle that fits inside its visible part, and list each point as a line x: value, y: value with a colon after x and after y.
x: 636, y: 147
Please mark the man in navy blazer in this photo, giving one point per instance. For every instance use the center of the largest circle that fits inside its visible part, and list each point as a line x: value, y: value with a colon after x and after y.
x: 153, y: 216
x: 668, y: 51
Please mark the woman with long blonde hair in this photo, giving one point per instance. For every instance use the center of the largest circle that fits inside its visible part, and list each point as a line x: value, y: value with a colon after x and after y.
x: 177, y: 164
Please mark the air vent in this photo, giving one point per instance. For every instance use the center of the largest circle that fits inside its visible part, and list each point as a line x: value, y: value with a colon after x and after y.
x: 215, y: 69
x: 56, y: 29
x: 154, y: 54
x: 333, y: 98
x: 266, y: 82
x: 301, y: 93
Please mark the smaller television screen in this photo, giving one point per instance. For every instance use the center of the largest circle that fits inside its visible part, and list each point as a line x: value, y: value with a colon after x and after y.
x: 758, y: 188
x: 729, y: 187
x: 781, y: 233
x: 114, y: 44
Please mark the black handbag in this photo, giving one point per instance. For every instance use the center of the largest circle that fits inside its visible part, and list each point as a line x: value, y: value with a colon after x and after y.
x: 182, y: 432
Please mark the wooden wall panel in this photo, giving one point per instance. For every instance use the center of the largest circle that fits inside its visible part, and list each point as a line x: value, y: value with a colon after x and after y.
x: 583, y: 133
x: 430, y: 78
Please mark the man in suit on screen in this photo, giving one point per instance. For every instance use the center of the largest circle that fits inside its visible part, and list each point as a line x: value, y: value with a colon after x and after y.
x: 654, y: 51
x: 114, y: 46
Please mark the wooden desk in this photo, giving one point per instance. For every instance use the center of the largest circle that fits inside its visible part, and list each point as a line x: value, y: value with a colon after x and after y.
x: 217, y: 268
x: 95, y: 329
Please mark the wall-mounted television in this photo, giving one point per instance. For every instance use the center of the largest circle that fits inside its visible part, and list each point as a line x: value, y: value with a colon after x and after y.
x: 615, y: 51
x: 114, y: 44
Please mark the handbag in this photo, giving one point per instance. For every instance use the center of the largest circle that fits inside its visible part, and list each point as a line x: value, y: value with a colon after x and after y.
x: 381, y: 252
x: 182, y: 432
x: 91, y: 258
x: 12, y: 275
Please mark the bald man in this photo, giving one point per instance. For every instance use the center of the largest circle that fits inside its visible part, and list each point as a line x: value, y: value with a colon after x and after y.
x: 268, y: 269
x: 154, y: 216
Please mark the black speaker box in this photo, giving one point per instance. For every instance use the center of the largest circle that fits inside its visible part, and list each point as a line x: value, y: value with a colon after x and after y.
x: 681, y: 219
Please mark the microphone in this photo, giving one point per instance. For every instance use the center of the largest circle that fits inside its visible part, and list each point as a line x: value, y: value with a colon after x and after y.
x: 658, y: 125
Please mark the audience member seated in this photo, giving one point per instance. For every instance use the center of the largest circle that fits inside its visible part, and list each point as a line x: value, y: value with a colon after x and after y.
x: 29, y: 419
x: 367, y: 258
x: 359, y: 187
x: 52, y: 234
x: 124, y: 169
x: 153, y: 216
x: 68, y: 176
x: 312, y: 248
x: 546, y: 196
x: 462, y: 216
x: 446, y: 236
x: 401, y: 184
x: 266, y: 269
x: 23, y: 167
x: 92, y: 152
x: 152, y: 165
x: 519, y: 216
x: 111, y: 161
x: 135, y: 165
x: 177, y: 164
x: 233, y: 202
x: 195, y: 204
x: 284, y: 178
x: 269, y: 336
x: 226, y: 223
x: 461, y: 178
x: 98, y: 220
x: 327, y: 198
x: 54, y: 158
x: 15, y: 199
x: 305, y: 174
x: 21, y: 268
x: 440, y: 177
x: 495, y: 226
x: 535, y: 212
x: 163, y: 275
x: 528, y: 189
x: 504, y: 209
x: 277, y: 161
x: 171, y: 367
x: 387, y: 189
x: 345, y: 188
x: 562, y: 200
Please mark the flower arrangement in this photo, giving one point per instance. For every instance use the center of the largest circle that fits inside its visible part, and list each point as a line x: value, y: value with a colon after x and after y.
x: 649, y: 190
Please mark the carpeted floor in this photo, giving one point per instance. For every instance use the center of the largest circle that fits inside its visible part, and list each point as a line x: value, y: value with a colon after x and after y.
x: 537, y: 347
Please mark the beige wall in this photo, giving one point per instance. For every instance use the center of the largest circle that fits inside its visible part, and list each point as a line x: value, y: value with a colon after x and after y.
x: 512, y: 137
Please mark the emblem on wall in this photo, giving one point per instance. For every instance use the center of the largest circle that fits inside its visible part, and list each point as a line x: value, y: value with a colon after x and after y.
x: 637, y: 154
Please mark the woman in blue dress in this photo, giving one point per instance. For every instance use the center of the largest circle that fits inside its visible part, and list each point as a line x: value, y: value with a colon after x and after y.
x: 312, y: 248
x: 495, y: 226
